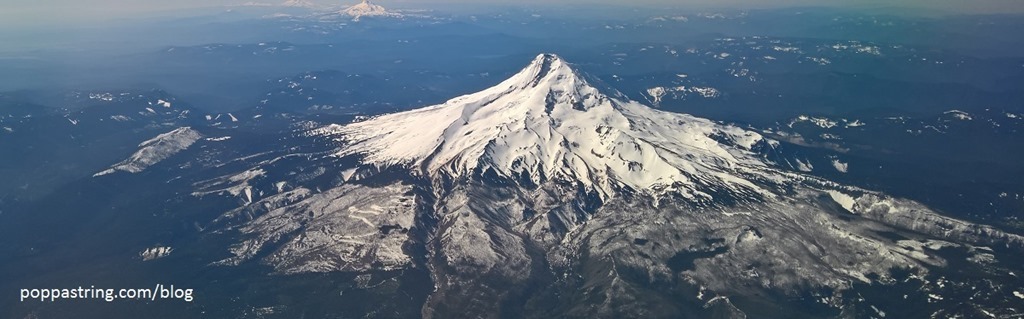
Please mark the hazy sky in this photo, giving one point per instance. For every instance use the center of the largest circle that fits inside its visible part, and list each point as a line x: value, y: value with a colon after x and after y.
x: 45, y: 11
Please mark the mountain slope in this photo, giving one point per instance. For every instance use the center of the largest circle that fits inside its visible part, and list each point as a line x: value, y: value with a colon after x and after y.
x: 157, y: 149
x: 549, y: 123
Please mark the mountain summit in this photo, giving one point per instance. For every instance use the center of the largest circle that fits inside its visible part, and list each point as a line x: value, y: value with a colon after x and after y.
x: 547, y: 123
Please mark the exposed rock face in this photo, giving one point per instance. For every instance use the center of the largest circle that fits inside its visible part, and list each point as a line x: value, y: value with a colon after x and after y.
x: 913, y: 216
x: 545, y: 194
x: 350, y: 228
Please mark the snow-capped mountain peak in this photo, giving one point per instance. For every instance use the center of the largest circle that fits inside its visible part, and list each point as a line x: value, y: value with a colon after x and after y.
x: 368, y: 9
x: 547, y: 123
x: 545, y: 175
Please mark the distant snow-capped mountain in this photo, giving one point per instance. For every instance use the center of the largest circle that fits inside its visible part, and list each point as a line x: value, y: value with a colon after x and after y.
x: 299, y: 4
x: 368, y: 9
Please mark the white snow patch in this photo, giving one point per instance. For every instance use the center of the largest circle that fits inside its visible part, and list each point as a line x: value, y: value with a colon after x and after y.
x: 855, y: 123
x: 155, y: 150
x: 819, y: 121
x: 681, y: 92
x: 346, y: 175
x: 840, y: 166
x: 804, y: 166
x: 787, y: 49
x: 960, y: 115
x: 879, y: 312
x: 844, y: 200
x: 820, y: 61
x: 235, y: 185
x: 248, y: 195
x: 857, y: 47
x: 155, y: 253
